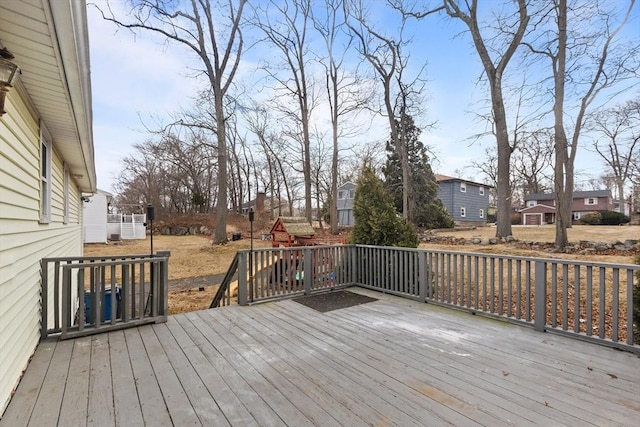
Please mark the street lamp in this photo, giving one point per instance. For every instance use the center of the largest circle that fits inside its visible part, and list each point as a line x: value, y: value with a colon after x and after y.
x: 252, y: 217
x: 8, y: 73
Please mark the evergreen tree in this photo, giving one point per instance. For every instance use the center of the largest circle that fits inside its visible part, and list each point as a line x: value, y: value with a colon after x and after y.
x: 429, y: 211
x: 376, y: 220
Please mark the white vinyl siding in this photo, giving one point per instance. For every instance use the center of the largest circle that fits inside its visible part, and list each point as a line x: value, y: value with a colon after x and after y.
x: 25, y: 240
x: 46, y: 180
x: 66, y: 201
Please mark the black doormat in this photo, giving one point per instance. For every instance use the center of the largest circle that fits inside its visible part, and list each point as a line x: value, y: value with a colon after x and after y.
x: 333, y: 300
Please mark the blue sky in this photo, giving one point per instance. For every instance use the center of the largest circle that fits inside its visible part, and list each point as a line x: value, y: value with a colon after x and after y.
x: 139, y: 80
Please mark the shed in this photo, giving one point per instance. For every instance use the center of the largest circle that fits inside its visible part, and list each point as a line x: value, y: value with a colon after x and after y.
x: 292, y: 231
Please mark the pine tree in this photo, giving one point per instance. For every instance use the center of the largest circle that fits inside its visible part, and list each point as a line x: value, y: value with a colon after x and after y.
x: 376, y: 220
x: 429, y: 212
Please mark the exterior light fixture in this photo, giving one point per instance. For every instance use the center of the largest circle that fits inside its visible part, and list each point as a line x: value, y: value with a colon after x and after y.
x: 8, y: 73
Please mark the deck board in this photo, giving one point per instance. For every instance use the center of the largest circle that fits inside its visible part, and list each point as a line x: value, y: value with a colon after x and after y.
x: 389, y: 362
x: 76, y: 393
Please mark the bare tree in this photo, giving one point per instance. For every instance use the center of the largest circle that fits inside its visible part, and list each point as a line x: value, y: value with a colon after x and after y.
x: 400, y: 93
x: 284, y: 24
x: 620, y: 128
x: 495, y: 49
x: 532, y: 161
x: 345, y: 93
x: 584, y: 62
x: 495, y: 53
x: 199, y: 26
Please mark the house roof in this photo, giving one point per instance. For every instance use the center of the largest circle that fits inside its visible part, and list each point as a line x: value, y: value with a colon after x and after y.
x: 446, y: 178
x: 295, y: 226
x: 576, y: 195
x: 347, y: 185
x: 50, y: 42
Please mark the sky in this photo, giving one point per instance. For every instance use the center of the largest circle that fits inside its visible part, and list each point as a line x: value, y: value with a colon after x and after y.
x: 139, y: 81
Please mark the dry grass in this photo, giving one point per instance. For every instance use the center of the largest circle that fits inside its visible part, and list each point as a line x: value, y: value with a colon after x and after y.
x: 191, y: 256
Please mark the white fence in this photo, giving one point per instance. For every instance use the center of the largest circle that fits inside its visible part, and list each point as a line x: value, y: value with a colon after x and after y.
x: 127, y: 227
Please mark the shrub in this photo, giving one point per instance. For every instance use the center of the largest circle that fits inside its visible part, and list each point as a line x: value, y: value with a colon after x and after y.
x: 591, y: 218
x: 376, y: 220
x: 613, y: 218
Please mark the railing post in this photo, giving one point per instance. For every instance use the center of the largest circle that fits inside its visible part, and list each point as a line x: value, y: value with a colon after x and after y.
x: 353, y: 265
x: 242, y: 278
x: 540, y: 320
x: 422, y: 276
x: 308, y: 271
x: 44, y: 297
x: 164, y: 282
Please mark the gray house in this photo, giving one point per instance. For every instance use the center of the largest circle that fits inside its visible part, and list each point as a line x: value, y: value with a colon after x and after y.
x: 466, y: 201
x: 346, y: 194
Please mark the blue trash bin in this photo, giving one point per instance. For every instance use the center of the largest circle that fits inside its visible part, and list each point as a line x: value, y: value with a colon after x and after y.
x: 106, y: 304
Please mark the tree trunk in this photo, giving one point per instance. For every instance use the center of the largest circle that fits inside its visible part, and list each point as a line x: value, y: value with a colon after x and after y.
x: 333, y: 197
x: 562, y: 178
x: 220, y: 235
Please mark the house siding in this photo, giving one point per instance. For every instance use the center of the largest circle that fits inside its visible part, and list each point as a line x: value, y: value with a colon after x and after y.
x: 94, y: 219
x: 345, y: 206
x: 24, y: 241
x: 454, y: 199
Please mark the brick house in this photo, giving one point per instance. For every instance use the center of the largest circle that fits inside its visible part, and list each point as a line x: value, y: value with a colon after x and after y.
x: 540, y: 207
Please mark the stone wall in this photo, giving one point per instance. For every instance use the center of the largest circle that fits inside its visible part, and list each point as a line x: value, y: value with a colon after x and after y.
x: 582, y: 247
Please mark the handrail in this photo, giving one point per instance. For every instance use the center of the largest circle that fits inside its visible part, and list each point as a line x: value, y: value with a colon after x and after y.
x: 224, y: 285
x: 120, y: 292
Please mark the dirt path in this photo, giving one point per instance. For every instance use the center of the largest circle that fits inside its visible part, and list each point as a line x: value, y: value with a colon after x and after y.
x: 197, y: 282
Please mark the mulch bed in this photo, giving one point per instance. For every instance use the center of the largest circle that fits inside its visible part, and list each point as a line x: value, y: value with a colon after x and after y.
x: 333, y: 300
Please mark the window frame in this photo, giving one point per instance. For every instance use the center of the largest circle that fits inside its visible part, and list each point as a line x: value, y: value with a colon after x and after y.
x: 481, y: 190
x: 46, y: 180
x: 587, y: 201
x: 463, y: 187
x: 532, y: 203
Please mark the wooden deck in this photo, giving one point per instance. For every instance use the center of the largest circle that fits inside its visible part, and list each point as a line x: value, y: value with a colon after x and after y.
x: 389, y: 362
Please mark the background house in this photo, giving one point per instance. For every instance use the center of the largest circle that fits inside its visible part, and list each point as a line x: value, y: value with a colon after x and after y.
x: 540, y: 208
x: 94, y: 217
x: 466, y: 201
x: 346, y: 194
x: 46, y: 163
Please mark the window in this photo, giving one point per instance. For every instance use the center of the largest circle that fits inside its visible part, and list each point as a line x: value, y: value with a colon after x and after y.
x: 341, y: 194
x: 45, y: 178
x: 463, y: 187
x: 590, y: 201
x: 481, y: 190
x: 531, y: 203
x: 481, y: 214
x: 352, y: 194
x: 65, y: 218
x: 463, y: 212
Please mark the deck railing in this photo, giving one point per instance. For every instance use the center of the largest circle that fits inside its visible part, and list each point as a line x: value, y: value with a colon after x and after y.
x: 587, y: 300
x: 267, y: 274
x: 89, y: 295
